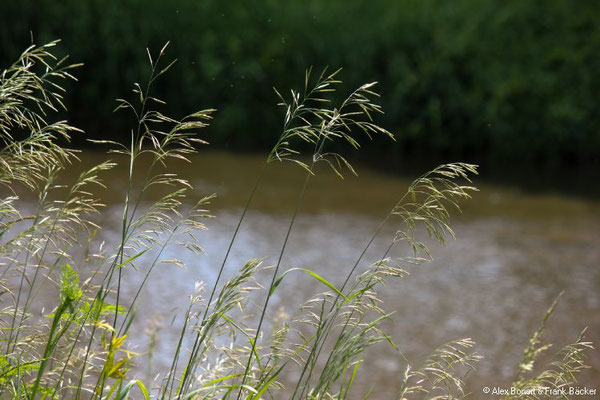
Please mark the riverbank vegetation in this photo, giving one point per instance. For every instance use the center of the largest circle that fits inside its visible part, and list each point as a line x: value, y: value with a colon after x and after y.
x: 78, y: 348
x: 498, y: 83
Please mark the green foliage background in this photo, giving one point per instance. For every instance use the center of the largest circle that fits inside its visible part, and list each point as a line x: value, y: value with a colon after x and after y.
x: 496, y: 82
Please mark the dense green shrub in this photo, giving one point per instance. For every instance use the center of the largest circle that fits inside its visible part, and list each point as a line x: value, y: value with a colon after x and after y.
x: 505, y: 81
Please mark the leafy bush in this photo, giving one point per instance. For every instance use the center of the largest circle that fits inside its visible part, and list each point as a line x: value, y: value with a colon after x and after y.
x: 80, y: 349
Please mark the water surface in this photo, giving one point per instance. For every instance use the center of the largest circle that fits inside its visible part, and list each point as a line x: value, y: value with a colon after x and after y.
x: 514, y: 253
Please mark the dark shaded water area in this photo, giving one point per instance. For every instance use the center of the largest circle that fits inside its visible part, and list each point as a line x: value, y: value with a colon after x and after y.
x: 514, y: 252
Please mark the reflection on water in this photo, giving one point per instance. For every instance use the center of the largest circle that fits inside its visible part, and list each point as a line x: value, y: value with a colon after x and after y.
x: 513, y: 254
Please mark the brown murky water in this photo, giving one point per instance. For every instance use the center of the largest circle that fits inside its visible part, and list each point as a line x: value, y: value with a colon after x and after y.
x: 513, y: 254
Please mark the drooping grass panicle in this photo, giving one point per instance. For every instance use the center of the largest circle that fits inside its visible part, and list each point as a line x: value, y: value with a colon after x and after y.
x: 308, y: 119
x: 319, y: 126
x: 559, y: 373
x: 443, y: 373
x: 425, y: 202
x: 31, y: 89
x: 162, y: 138
x: 230, y: 296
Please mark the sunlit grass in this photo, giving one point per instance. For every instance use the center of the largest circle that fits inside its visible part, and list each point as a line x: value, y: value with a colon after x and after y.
x: 78, y: 348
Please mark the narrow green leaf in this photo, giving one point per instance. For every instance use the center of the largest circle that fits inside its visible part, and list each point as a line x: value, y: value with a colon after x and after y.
x: 311, y: 273
x: 125, y: 390
x: 267, y: 384
x: 130, y: 259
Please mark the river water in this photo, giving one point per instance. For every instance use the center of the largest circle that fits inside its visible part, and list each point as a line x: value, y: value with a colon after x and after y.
x: 514, y: 253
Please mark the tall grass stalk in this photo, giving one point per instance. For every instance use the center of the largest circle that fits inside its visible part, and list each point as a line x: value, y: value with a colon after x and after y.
x: 298, y: 107
x: 437, y: 187
x: 330, y: 125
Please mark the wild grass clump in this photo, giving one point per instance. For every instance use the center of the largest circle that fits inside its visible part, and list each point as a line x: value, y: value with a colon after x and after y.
x: 78, y: 347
